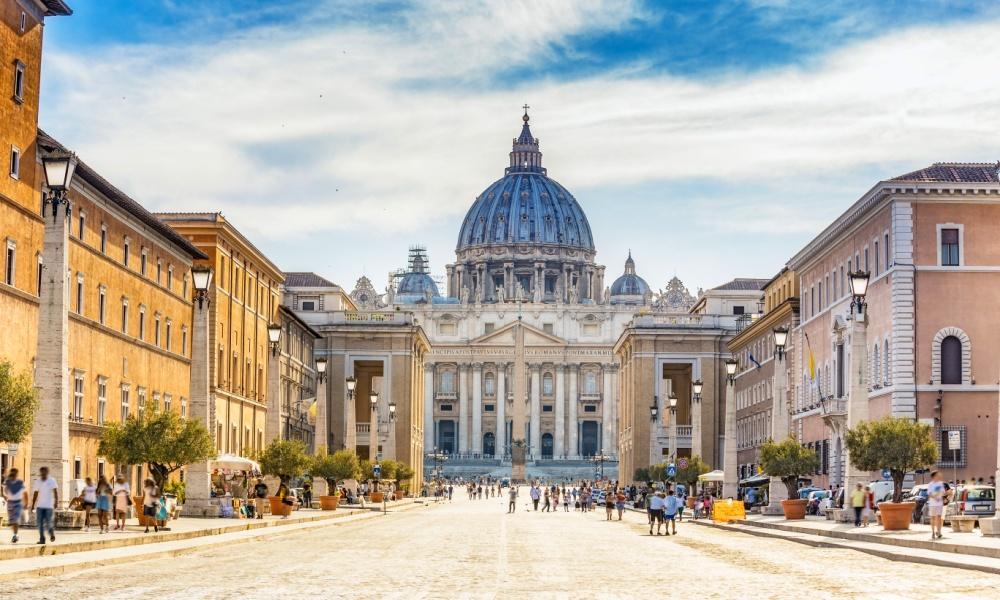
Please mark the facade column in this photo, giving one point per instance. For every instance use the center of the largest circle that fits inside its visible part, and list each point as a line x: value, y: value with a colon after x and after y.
x: 501, y: 411
x: 429, y: 441
x: 574, y: 426
x: 201, y: 408
x: 730, y: 479
x: 779, y: 431
x: 373, y: 436
x: 350, y: 412
x: 321, y: 437
x: 463, y: 408
x: 50, y: 432
x: 536, y: 410
x: 559, y: 449
x: 272, y: 421
x: 857, y: 400
x: 477, y: 408
x: 614, y: 412
x: 607, y: 434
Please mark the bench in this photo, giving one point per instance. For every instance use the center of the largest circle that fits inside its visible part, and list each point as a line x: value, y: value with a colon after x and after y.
x: 962, y: 523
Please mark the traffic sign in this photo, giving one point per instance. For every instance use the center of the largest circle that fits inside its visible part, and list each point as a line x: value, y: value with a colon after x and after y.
x: 377, y: 470
x: 886, y: 474
x: 954, y: 440
x: 683, y: 463
x: 671, y: 471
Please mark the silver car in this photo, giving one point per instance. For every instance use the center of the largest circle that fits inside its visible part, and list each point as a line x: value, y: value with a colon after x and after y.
x: 977, y: 500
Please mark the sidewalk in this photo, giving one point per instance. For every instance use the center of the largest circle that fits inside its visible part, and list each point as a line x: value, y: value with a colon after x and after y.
x: 78, y: 550
x: 960, y: 550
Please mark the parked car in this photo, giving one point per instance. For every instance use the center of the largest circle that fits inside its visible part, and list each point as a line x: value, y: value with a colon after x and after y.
x: 815, y: 501
x: 918, y: 495
x: 805, y: 491
x: 973, y: 500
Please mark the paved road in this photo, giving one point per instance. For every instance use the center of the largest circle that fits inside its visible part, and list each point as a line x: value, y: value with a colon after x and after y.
x: 473, y: 549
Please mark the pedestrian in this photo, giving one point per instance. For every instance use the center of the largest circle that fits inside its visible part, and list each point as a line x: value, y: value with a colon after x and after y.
x: 858, y: 503
x: 548, y: 501
x: 451, y: 490
x: 121, y: 492
x: 699, y: 504
x: 285, y: 497
x: 45, y: 496
x: 656, y: 504
x: 149, y: 495
x: 103, y: 493
x: 620, y: 502
x: 707, y: 506
x: 260, y: 498
x: 512, y: 505
x: 935, y: 504
x: 609, y: 505
x: 16, y: 496
x: 671, y: 509
x: 535, y: 495
x: 307, y: 493
x: 682, y: 502
x: 89, y: 501
x: 866, y: 513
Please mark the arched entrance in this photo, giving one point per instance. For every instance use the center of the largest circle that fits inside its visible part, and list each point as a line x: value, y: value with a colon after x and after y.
x: 489, y: 444
x: 589, y: 438
x: 446, y: 437
x: 547, y: 445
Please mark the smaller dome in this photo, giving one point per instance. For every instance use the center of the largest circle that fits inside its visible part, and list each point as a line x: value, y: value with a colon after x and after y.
x: 417, y: 286
x: 629, y: 288
x: 417, y: 283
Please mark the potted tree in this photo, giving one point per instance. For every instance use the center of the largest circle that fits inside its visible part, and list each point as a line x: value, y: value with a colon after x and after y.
x: 388, y: 474
x: 788, y: 460
x: 404, y: 473
x: 689, y: 476
x: 18, y: 403
x: 899, y: 445
x: 162, y: 440
x: 284, y: 459
x: 333, y: 468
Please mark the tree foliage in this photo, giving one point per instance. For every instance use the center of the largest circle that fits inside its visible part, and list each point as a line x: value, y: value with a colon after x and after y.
x: 404, y: 473
x: 162, y: 440
x: 642, y: 474
x: 900, y: 445
x: 365, y: 468
x: 336, y: 467
x: 389, y: 468
x: 788, y: 460
x: 18, y: 403
x: 284, y: 459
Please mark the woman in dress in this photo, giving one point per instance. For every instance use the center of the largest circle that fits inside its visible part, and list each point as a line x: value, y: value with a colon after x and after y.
x: 103, y: 493
x: 609, y: 504
x: 149, y: 503
x: 89, y: 501
x: 120, y: 492
x: 620, y: 502
x: 866, y: 511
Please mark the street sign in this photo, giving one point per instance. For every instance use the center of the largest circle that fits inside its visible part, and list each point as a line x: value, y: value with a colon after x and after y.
x: 886, y: 474
x: 377, y: 470
x: 954, y: 440
x: 683, y: 463
x: 671, y: 471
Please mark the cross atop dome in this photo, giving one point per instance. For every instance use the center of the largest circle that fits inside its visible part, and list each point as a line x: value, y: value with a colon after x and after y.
x: 525, y: 156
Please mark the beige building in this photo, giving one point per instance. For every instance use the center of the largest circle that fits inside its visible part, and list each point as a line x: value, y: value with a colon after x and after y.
x: 22, y: 23
x: 930, y: 349
x: 292, y: 417
x: 244, y: 299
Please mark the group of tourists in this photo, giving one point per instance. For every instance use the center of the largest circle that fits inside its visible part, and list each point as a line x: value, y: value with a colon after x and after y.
x: 102, y: 499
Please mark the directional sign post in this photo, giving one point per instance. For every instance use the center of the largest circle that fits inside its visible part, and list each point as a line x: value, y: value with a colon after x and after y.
x: 671, y: 471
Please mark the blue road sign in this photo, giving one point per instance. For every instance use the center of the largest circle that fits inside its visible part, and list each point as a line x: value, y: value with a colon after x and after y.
x: 377, y: 470
x: 671, y: 471
x: 886, y: 474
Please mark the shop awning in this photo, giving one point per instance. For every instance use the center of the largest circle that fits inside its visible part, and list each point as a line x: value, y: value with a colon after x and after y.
x: 236, y: 463
x: 712, y: 476
x: 756, y: 480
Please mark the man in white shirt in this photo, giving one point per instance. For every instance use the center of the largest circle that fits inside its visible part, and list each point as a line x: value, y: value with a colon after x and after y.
x: 656, y: 505
x: 45, y: 497
x: 935, y: 504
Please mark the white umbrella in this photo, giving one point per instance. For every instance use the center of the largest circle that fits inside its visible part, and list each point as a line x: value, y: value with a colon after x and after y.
x: 712, y: 476
x: 236, y: 463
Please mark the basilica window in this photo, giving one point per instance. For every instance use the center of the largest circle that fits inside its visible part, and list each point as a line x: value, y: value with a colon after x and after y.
x: 448, y: 382
x: 489, y: 384
x: 547, y: 384
x: 590, y: 383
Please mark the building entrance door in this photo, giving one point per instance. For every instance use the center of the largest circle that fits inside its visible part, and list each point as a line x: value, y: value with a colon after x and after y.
x: 489, y: 444
x: 589, y: 438
x: 547, y: 446
x: 446, y: 437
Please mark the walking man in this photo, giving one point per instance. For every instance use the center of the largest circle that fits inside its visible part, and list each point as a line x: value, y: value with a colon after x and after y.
x: 16, y: 496
x: 671, y: 508
x: 512, y: 506
x: 858, y: 504
x: 45, y: 497
x: 535, y: 495
x: 935, y: 504
x: 656, y: 505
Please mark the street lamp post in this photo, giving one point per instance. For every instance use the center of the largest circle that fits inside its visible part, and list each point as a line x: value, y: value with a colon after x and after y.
x: 350, y: 415
x: 274, y: 338
x: 672, y: 401
x: 730, y: 481
x: 322, y: 433
x: 272, y: 418
x: 373, y: 427
x: 654, y: 412
x: 198, y: 482
x: 779, y: 418
x: 857, y: 400
x: 696, y: 387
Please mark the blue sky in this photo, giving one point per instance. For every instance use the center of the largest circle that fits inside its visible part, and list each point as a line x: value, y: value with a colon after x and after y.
x: 714, y: 139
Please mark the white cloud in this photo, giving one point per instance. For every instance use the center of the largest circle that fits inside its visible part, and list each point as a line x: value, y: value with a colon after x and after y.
x: 387, y: 128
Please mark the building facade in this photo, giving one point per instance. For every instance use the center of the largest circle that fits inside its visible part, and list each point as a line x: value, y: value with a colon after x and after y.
x: 22, y: 23
x: 293, y: 416
x: 244, y: 297
x: 930, y: 353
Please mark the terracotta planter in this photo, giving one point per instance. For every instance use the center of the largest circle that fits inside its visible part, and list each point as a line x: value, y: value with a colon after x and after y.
x: 377, y: 497
x: 277, y: 508
x: 896, y: 516
x: 690, y: 502
x: 329, y: 502
x: 794, y: 509
x: 399, y: 495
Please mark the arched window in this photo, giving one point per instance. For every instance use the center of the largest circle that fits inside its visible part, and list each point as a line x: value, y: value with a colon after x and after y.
x: 885, y: 358
x: 951, y: 360
x: 448, y: 382
x: 876, y: 366
x: 490, y: 384
x: 547, y: 384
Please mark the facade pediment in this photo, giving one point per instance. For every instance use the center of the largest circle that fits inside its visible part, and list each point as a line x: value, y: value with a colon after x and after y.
x: 505, y: 337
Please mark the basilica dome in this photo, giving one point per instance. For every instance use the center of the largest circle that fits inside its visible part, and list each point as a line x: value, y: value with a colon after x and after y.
x: 525, y: 206
x: 629, y: 288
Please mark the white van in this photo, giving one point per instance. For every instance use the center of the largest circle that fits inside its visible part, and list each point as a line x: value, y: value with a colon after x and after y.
x: 882, y: 490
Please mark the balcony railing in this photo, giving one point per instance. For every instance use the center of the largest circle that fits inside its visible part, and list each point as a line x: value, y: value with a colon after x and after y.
x: 365, y: 428
x: 684, y: 431
x: 832, y: 407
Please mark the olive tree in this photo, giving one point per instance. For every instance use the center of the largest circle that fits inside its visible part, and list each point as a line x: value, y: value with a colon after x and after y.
x: 788, y: 460
x: 18, y: 403
x: 900, y: 445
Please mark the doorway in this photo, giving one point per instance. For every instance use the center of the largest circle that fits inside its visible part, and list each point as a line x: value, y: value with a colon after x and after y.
x: 446, y: 436
x: 547, y: 446
x: 589, y: 438
x: 489, y: 444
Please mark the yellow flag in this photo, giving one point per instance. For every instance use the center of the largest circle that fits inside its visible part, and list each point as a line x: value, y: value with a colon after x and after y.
x: 812, y: 359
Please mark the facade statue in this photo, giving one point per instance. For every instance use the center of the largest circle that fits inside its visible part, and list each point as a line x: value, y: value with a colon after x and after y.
x: 519, y: 295
x: 607, y: 296
x: 501, y: 294
x: 429, y: 296
x: 574, y: 295
x: 537, y: 296
x: 464, y: 299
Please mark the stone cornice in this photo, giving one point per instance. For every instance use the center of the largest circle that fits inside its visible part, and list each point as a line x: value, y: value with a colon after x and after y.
x: 787, y: 310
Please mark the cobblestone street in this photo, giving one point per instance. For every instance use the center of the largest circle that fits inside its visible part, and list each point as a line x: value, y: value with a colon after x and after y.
x: 474, y: 549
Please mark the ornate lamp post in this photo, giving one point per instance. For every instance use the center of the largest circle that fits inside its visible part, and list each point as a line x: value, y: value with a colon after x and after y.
x: 779, y: 417
x: 199, y: 500
x: 697, y: 387
x: 672, y: 401
x: 373, y: 427
x: 730, y: 480
x: 857, y: 399
x: 59, y: 168
x: 321, y: 370
x: 352, y: 384
x: 322, y: 433
x: 274, y: 338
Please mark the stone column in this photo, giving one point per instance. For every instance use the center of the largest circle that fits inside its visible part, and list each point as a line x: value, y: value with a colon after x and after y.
x: 463, y: 408
x: 607, y: 435
x: 696, y: 425
x: 613, y: 371
x: 272, y: 422
x: 536, y: 411
x: 350, y: 411
x: 559, y: 448
x: 574, y: 426
x: 730, y: 479
x: 779, y: 432
x: 459, y: 280
x: 201, y: 408
x: 322, y: 433
x: 50, y: 432
x: 501, y: 428
x: 477, y: 408
x: 429, y: 441
x: 857, y: 399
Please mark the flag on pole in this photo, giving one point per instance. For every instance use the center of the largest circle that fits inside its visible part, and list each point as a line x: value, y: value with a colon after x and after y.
x: 754, y: 360
x: 812, y: 360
